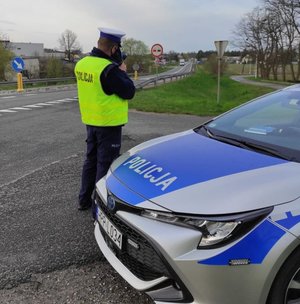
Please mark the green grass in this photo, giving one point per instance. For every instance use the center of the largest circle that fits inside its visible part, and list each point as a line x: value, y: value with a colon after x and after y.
x: 195, y: 95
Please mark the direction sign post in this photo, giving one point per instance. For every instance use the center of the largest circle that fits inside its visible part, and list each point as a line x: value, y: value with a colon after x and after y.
x: 220, y: 46
x: 18, y: 65
x: 136, y: 67
x: 157, y: 51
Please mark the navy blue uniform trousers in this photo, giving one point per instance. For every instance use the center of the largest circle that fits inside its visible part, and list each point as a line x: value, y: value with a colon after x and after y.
x: 103, y: 146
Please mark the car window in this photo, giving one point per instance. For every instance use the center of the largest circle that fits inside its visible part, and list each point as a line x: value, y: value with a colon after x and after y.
x: 272, y: 120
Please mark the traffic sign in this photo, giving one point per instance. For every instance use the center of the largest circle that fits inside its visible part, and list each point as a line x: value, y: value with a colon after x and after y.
x: 156, y: 50
x: 18, y: 64
x: 221, y: 46
x: 136, y: 67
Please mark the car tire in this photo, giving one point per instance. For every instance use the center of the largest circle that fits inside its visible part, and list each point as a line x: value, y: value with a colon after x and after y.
x: 285, y: 288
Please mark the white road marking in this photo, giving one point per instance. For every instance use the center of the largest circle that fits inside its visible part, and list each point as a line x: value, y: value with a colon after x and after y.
x: 54, y: 101
x: 36, y: 105
x: 32, y: 106
x: 8, y: 97
x: 19, y: 108
x: 43, y: 104
x: 8, y: 111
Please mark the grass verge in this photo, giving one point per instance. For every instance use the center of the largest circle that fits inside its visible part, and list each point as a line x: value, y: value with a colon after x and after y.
x: 196, y: 95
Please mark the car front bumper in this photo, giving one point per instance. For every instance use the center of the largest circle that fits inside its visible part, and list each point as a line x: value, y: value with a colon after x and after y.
x: 177, y: 275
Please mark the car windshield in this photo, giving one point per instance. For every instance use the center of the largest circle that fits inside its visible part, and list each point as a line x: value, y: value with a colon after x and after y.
x: 270, y: 124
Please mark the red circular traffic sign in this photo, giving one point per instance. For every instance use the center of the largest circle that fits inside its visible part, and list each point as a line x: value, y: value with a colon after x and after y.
x: 157, y: 50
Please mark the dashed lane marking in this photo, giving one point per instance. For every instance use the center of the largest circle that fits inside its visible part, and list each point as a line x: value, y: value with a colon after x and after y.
x: 54, y: 101
x: 43, y: 104
x: 37, y: 105
x: 14, y: 96
x: 22, y: 109
x: 8, y: 111
x: 7, y: 97
x: 33, y: 106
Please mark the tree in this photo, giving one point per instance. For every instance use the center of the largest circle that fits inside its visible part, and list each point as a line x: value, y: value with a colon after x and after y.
x: 211, y: 65
x: 271, y: 34
x: 54, y: 68
x: 288, y: 17
x: 172, y: 56
x: 5, y: 56
x: 137, y: 52
x: 68, y: 42
x: 134, y: 47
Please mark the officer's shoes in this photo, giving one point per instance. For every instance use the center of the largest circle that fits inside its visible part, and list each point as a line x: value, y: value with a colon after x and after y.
x: 82, y: 207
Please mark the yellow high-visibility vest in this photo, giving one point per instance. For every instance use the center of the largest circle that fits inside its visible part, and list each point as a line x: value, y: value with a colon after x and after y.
x: 97, y: 108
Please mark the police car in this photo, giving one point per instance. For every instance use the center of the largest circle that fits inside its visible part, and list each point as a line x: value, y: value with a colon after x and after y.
x: 210, y: 215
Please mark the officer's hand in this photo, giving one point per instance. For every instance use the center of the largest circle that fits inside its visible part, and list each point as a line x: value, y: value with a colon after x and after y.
x: 123, y: 67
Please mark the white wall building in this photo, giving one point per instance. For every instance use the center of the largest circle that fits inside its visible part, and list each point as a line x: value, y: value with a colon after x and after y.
x: 26, y: 49
x: 54, y: 54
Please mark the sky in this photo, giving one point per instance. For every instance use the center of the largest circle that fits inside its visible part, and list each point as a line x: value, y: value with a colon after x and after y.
x: 178, y: 25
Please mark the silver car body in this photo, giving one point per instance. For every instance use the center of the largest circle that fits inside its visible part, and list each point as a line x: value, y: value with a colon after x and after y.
x: 190, y: 174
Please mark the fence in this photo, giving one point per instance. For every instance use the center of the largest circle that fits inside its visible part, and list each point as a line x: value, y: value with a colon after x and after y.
x: 45, y: 81
x: 140, y: 84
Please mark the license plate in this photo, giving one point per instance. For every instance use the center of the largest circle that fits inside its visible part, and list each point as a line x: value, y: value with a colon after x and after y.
x: 114, y: 234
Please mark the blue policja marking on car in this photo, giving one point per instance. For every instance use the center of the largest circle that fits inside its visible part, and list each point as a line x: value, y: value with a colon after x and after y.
x: 255, y: 246
x: 169, y: 166
x: 122, y: 192
x: 289, y: 221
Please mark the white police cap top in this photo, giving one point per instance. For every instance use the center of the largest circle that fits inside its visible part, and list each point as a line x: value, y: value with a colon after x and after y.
x: 111, y: 34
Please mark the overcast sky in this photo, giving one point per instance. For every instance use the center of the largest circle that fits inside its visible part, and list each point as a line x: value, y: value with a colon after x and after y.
x: 178, y: 25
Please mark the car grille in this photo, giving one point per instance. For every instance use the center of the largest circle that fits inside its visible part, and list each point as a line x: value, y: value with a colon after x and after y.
x: 143, y: 261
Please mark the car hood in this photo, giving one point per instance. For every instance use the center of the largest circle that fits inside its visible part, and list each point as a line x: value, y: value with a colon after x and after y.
x: 191, y: 173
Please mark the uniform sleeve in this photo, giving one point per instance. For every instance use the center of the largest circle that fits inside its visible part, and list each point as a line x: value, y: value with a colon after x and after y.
x: 116, y: 81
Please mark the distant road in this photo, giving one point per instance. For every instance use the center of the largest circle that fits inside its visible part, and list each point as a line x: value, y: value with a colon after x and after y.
x: 173, y: 72
x: 244, y: 79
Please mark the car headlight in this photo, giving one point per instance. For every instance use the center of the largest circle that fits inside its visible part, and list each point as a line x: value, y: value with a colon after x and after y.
x: 216, y: 230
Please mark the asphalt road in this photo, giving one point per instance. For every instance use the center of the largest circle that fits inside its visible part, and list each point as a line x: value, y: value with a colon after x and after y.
x: 47, y: 249
x: 245, y: 79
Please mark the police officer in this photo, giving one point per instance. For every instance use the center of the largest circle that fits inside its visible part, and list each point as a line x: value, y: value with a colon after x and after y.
x: 103, y: 90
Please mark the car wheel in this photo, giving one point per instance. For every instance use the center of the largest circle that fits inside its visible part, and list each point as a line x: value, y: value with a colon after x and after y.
x: 286, y: 287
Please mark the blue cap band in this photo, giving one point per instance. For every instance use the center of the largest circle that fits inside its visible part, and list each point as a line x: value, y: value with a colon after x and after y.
x: 111, y: 37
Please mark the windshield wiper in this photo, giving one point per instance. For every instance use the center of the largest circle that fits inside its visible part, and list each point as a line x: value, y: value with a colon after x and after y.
x: 266, y: 150
x: 244, y: 144
x: 204, y: 130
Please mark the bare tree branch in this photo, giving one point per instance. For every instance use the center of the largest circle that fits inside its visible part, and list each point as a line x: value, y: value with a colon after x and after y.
x: 68, y: 42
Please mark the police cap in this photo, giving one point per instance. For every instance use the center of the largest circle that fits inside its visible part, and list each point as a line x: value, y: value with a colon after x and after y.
x: 111, y: 34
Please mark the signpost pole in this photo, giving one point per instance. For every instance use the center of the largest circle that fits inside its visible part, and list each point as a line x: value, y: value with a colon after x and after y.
x: 219, y: 80
x: 156, y: 69
x: 220, y: 46
x: 20, y: 82
x: 136, y: 67
x: 157, y: 51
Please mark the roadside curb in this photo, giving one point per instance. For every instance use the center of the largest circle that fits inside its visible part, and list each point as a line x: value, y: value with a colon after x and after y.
x: 41, y: 89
